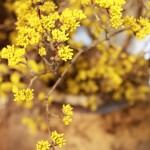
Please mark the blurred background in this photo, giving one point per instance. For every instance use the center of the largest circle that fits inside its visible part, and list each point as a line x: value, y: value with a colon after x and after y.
x: 108, y: 86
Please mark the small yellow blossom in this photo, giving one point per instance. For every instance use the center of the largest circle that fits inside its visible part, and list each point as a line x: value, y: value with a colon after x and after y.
x: 58, y: 138
x: 65, y: 53
x: 27, y: 36
x: 81, y: 2
x: 67, y: 120
x: 42, y: 145
x: 85, y: 2
x: 22, y: 8
x: 58, y: 35
x: 115, y: 10
x: 48, y: 22
x: 108, y: 3
x: 14, y: 55
x: 132, y: 23
x: 48, y: 7
x: 67, y: 110
x: 24, y: 94
x: 141, y: 26
x: 116, y: 15
x: 104, y: 3
x: 42, y: 51
x: 70, y: 19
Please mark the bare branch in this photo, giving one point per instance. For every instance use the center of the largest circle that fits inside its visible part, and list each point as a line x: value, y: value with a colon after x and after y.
x: 32, y: 81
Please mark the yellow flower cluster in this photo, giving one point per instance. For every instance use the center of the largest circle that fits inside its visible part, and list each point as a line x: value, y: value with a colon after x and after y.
x: 14, y: 55
x: 70, y: 19
x: 104, y: 3
x: 115, y: 10
x: 85, y: 2
x: 58, y: 35
x: 42, y: 145
x: 67, y: 120
x: 22, y: 8
x: 141, y: 26
x: 48, y: 7
x: 58, y: 138
x: 81, y: 2
x: 65, y: 53
x: 32, y: 29
x: 27, y: 36
x: 67, y: 111
x: 48, y: 22
x: 108, y: 3
x: 22, y: 95
x: 42, y: 51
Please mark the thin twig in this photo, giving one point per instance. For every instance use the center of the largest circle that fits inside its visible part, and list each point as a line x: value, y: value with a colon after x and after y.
x: 96, y: 16
x: 29, y: 67
x: 47, y: 62
x: 117, y: 32
x: 32, y: 81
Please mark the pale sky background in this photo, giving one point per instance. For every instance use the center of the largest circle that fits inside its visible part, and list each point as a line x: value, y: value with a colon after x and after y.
x: 136, y: 46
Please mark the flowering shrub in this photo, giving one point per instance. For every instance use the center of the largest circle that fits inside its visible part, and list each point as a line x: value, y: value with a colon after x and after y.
x: 43, y: 47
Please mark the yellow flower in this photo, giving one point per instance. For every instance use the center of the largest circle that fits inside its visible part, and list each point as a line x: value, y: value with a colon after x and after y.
x: 42, y: 51
x: 116, y: 15
x: 104, y: 3
x: 85, y: 2
x: 132, y: 23
x: 24, y: 94
x: 27, y: 36
x: 14, y: 55
x: 67, y: 120
x: 65, y: 53
x: 67, y: 110
x: 48, y: 7
x: 115, y: 10
x: 108, y: 3
x: 58, y: 138
x: 42, y: 145
x: 141, y: 26
x: 48, y: 22
x: 70, y: 19
x: 119, y: 2
x: 58, y: 35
